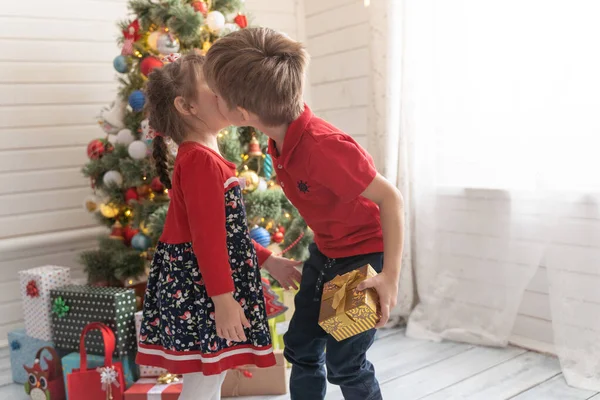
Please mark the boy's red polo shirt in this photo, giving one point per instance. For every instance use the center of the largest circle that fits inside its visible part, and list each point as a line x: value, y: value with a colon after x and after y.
x: 323, y: 172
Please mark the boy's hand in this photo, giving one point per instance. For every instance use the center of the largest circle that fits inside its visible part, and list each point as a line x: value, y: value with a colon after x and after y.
x: 284, y: 271
x: 230, y: 318
x: 387, y: 289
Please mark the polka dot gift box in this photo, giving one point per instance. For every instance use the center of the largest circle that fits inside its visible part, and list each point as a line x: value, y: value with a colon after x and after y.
x: 75, y: 306
x: 36, y: 284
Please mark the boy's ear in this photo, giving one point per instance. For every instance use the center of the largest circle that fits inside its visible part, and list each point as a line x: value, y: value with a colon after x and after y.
x: 245, y: 114
x: 181, y: 105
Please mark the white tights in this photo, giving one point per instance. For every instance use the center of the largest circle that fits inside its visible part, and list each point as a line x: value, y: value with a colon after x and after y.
x: 202, y: 387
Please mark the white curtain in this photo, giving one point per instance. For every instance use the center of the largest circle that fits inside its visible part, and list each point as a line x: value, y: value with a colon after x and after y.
x: 499, y: 151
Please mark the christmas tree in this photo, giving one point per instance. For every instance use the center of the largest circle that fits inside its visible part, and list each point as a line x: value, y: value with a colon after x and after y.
x: 128, y: 196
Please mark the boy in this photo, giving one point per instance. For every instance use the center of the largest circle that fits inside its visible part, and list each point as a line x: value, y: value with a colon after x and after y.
x: 258, y: 76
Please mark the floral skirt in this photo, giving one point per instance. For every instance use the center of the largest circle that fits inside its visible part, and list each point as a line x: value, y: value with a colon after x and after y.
x: 178, y: 329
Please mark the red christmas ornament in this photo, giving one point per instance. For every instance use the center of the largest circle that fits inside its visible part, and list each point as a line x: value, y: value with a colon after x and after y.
x: 32, y: 289
x: 157, y: 185
x: 131, y: 194
x: 144, y: 190
x: 241, y: 20
x: 281, y: 229
x: 272, y: 304
x: 129, y: 233
x: 200, y: 7
x: 148, y: 64
x: 278, y: 237
x: 96, y: 149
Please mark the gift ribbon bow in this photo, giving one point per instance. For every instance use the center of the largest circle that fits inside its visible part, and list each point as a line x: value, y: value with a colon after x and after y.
x: 167, y: 378
x: 343, y: 283
x: 108, y: 378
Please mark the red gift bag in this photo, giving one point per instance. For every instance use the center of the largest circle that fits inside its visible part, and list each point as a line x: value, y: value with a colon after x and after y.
x: 104, y: 383
x: 45, y: 383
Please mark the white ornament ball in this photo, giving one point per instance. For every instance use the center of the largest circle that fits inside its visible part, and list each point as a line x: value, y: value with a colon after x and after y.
x: 153, y: 40
x: 112, y: 178
x: 137, y: 150
x: 262, y: 185
x: 112, y: 139
x: 167, y: 44
x: 229, y: 28
x: 125, y: 137
x: 215, y: 21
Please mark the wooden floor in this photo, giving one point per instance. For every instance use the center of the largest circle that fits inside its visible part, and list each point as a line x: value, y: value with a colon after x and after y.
x: 413, y: 369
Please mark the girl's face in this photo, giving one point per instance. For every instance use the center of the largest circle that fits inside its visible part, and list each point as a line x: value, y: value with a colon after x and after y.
x: 205, y: 107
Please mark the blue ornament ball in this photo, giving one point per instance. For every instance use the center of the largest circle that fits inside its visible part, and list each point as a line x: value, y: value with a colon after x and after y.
x: 137, y: 100
x: 140, y: 242
x: 121, y: 65
x: 261, y: 236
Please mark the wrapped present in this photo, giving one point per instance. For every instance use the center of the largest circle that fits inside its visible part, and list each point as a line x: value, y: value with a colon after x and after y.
x: 36, y: 284
x: 75, y: 306
x: 70, y: 362
x: 346, y: 311
x: 23, y: 350
x: 146, y: 371
x: 254, y: 381
x: 45, y: 382
x: 152, y: 389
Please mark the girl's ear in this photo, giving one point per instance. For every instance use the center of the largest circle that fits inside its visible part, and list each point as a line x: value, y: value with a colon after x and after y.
x: 181, y: 105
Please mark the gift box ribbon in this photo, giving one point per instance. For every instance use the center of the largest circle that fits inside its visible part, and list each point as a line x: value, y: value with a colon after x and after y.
x: 343, y: 283
x: 155, y: 393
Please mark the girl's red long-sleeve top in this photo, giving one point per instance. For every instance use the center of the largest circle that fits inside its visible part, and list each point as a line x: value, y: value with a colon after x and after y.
x: 197, y: 213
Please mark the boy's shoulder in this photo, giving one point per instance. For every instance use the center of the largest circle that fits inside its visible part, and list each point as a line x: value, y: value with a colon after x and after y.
x: 321, y: 132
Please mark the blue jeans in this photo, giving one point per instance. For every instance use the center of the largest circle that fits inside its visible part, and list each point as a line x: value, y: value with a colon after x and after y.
x: 305, y: 341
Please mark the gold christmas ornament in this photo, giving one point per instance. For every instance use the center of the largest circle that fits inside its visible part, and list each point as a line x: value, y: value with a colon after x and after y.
x: 109, y: 210
x: 91, y: 203
x: 206, y: 46
x: 251, y: 179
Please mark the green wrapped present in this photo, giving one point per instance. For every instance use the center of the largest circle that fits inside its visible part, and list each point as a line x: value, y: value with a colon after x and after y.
x: 75, y: 306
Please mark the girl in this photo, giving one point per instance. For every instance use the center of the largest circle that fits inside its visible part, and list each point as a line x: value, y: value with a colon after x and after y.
x: 204, y: 311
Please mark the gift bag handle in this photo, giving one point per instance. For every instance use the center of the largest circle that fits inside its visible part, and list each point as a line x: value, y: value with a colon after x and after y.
x: 109, y: 344
x: 55, y: 359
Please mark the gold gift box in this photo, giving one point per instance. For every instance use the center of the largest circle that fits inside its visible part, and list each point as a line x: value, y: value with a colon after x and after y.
x: 345, y: 311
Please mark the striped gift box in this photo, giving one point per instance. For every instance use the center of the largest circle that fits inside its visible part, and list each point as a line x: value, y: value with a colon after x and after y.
x: 345, y: 311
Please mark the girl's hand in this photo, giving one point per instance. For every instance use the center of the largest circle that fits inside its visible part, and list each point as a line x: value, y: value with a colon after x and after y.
x: 230, y: 318
x: 284, y: 271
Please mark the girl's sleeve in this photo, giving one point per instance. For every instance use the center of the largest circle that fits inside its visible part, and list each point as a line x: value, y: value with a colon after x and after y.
x: 203, y: 190
x: 262, y: 253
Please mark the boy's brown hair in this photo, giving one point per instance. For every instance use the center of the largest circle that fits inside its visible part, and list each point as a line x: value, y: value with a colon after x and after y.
x: 260, y: 70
